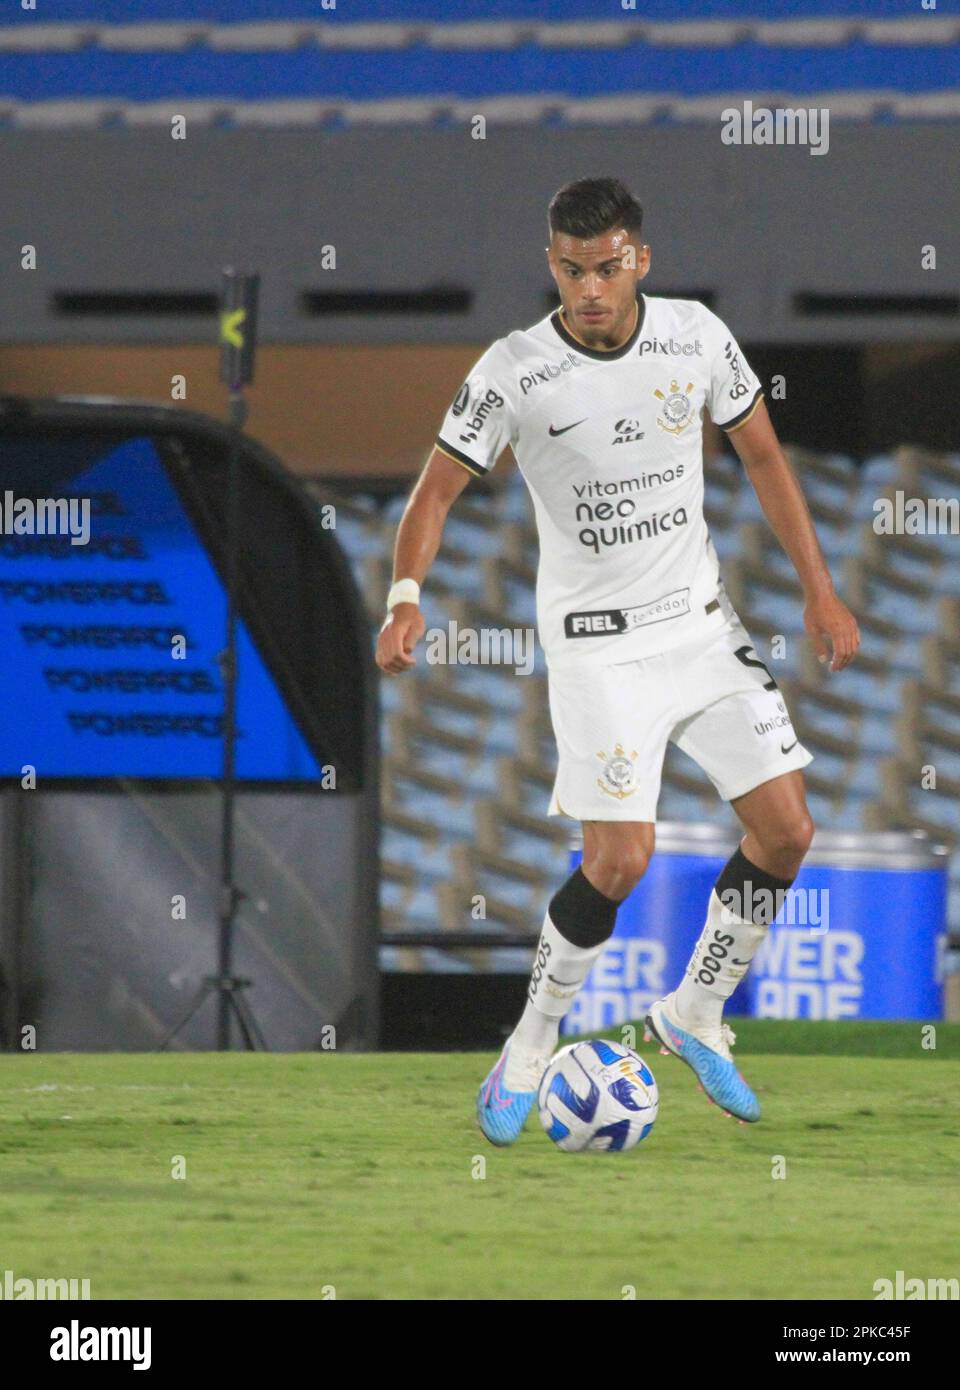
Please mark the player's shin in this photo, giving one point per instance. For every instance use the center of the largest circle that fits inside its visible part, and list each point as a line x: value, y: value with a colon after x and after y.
x: 743, y: 903
x: 575, y: 930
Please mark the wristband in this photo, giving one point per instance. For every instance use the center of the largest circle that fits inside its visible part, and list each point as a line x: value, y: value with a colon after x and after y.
x: 404, y: 591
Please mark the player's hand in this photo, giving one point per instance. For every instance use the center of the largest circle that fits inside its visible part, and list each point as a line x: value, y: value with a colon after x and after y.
x: 399, y: 635
x: 828, y: 617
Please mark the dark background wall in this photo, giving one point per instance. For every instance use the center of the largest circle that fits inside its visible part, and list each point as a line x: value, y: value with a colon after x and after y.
x: 438, y: 244
x: 410, y: 210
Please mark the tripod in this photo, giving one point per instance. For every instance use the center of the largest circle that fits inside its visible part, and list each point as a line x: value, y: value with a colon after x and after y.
x: 238, y: 322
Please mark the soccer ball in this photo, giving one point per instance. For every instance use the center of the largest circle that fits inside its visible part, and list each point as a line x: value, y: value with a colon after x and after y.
x: 597, y: 1096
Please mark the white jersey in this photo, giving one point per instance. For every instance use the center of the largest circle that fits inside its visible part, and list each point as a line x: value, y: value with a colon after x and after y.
x: 610, y: 446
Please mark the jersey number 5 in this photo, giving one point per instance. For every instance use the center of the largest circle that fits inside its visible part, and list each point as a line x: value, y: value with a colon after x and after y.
x: 754, y: 660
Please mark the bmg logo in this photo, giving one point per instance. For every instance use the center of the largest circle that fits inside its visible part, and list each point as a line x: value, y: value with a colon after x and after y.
x: 472, y: 427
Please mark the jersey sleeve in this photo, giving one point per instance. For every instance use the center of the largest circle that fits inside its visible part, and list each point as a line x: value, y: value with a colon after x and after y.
x: 479, y: 423
x: 735, y: 390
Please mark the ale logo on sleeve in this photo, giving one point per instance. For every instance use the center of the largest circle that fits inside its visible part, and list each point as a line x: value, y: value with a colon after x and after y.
x: 677, y: 409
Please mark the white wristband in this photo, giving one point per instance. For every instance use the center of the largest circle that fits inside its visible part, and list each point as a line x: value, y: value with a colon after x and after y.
x: 404, y: 591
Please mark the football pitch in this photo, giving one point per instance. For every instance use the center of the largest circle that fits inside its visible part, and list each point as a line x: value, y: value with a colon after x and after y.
x: 208, y: 1176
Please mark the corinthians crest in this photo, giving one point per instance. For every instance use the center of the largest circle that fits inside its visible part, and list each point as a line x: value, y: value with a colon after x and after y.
x: 619, y: 777
x: 677, y: 408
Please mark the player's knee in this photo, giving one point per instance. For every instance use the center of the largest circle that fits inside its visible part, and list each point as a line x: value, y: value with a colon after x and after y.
x: 616, y: 869
x: 788, y: 838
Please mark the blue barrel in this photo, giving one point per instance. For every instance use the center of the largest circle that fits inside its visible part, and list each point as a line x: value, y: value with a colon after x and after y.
x: 861, y: 934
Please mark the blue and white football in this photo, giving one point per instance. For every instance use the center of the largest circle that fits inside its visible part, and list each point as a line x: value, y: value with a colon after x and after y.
x: 597, y: 1096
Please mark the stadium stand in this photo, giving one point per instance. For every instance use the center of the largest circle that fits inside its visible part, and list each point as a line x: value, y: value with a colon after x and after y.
x: 469, y: 752
x: 268, y: 62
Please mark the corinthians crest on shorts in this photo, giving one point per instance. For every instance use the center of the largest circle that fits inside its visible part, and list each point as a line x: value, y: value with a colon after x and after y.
x: 619, y: 776
x: 677, y: 409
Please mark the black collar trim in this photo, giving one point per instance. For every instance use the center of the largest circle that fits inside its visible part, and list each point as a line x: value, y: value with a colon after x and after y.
x: 597, y: 354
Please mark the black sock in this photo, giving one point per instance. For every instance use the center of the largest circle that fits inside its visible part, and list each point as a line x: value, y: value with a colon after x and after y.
x: 581, y: 913
x: 749, y: 886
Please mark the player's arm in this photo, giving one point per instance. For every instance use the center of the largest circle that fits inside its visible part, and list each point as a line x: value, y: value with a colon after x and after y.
x: 418, y: 540
x: 825, y: 615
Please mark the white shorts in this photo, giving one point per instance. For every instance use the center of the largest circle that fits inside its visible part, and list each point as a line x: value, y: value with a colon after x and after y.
x: 712, y: 697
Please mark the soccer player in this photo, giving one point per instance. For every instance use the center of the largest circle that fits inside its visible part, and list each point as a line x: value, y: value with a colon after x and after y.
x: 602, y: 404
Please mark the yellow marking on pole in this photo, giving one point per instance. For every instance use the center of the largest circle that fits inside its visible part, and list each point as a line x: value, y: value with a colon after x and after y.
x: 230, y: 327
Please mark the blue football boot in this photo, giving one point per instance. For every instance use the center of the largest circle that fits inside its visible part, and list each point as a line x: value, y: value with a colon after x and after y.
x: 707, y: 1052
x: 502, y: 1114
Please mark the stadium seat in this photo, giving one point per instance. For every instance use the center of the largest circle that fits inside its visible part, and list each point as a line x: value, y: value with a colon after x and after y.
x: 288, y: 62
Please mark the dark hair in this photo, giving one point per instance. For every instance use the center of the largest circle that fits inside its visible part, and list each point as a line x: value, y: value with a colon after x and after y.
x: 589, y: 207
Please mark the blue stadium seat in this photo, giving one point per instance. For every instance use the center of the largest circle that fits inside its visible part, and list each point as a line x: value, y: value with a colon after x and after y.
x: 446, y: 717
x: 946, y: 760
x: 463, y: 577
x: 821, y: 808
x: 435, y: 608
x: 878, y: 471
x: 912, y: 566
x: 394, y: 509
x: 479, y: 774
x: 516, y: 505
x: 438, y: 11
x: 521, y: 605
x: 945, y: 717
x: 822, y: 719
x: 503, y: 692
x: 357, y: 537
x: 782, y: 611
x: 848, y: 816
x: 451, y: 819
x: 831, y: 492
x: 391, y: 694
x: 878, y: 694
x: 835, y: 541
x: 419, y: 907
x: 912, y: 613
x: 876, y: 732
x: 678, y: 804
x: 725, y: 543
x: 862, y: 504
x: 747, y: 506
x: 410, y: 50
x: 935, y: 806
x: 473, y: 539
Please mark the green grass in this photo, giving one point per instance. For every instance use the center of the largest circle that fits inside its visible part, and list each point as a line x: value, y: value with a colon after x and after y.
x: 852, y: 1038
x: 357, y: 1172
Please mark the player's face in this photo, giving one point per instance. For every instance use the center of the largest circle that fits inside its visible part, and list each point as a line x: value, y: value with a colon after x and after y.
x: 597, y: 280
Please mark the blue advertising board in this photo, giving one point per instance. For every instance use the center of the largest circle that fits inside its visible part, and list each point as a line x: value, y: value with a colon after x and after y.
x: 862, y: 933
x: 110, y: 642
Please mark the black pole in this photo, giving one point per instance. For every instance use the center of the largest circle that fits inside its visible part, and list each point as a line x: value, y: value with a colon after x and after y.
x: 229, y: 894
x: 238, y: 327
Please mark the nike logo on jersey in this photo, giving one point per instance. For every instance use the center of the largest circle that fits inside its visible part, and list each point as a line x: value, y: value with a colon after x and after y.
x: 789, y: 746
x: 565, y: 428
x: 560, y: 982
